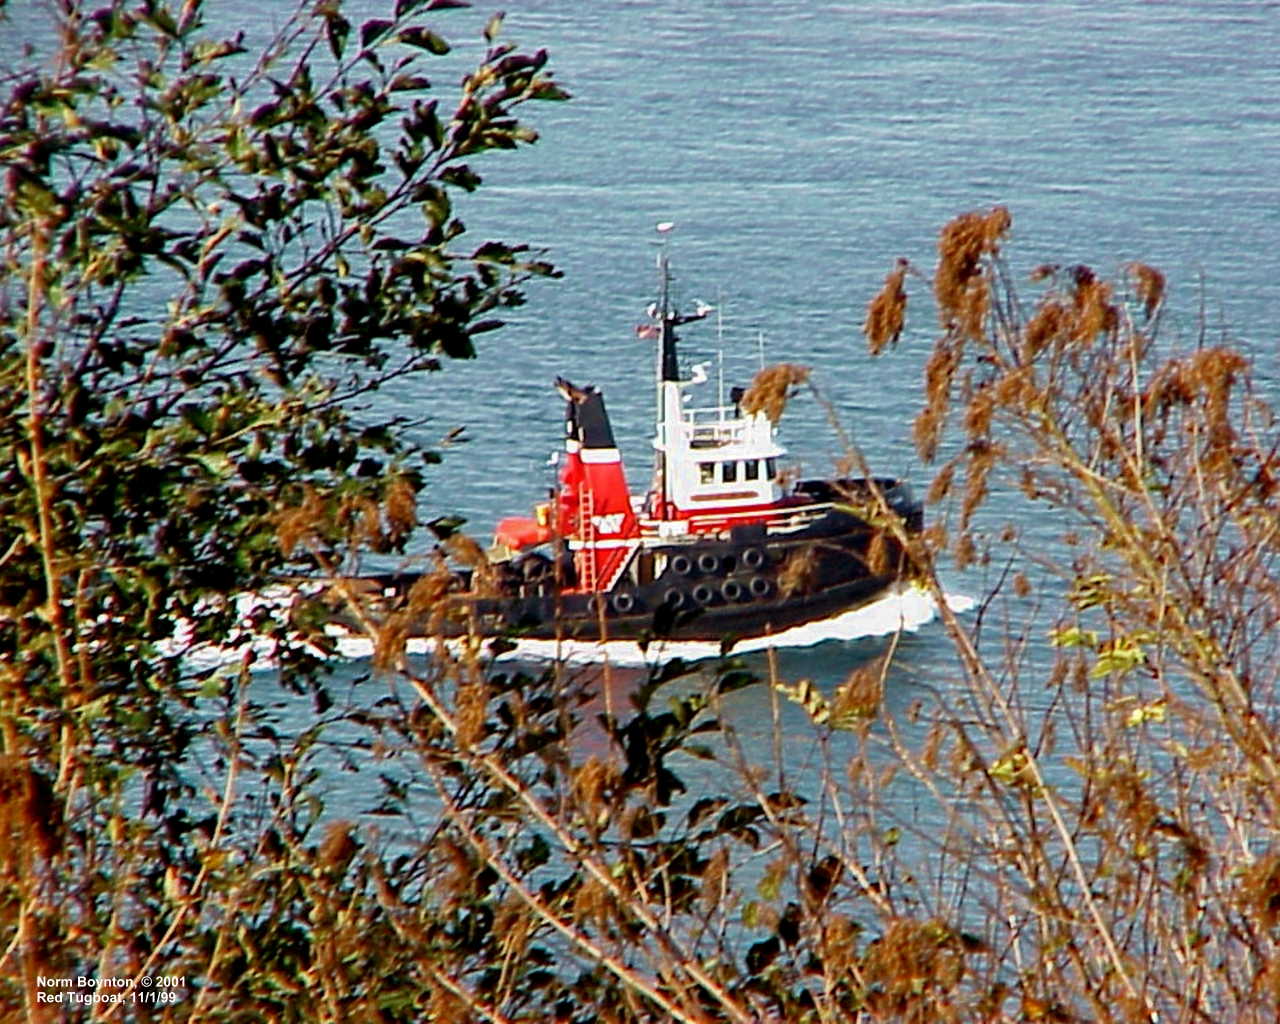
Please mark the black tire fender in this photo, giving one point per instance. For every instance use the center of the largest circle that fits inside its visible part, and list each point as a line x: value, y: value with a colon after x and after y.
x: 733, y: 591
x: 752, y: 558
x: 681, y: 565
x: 760, y: 586
x: 708, y: 564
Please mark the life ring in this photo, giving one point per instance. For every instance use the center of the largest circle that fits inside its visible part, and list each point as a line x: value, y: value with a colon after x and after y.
x: 681, y: 565
x: 623, y: 601
x: 703, y: 594
x: 752, y: 558
x: 760, y: 586
x: 673, y: 598
x: 732, y: 591
x: 708, y: 563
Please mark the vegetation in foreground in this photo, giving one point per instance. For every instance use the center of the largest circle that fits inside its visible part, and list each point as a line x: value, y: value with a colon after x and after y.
x: 185, y: 340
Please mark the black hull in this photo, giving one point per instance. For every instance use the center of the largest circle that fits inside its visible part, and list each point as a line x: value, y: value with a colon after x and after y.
x: 592, y: 619
x: 749, y: 583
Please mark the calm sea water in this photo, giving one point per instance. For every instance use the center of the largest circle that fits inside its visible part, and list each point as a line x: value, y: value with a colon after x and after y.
x: 800, y: 148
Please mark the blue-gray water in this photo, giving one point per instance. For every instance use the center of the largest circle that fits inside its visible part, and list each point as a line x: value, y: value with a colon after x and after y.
x: 800, y: 148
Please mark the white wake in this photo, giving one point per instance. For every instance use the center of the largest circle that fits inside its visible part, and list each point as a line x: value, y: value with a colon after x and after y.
x: 905, y: 608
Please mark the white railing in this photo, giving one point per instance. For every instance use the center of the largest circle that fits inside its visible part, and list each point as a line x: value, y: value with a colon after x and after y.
x: 723, y: 424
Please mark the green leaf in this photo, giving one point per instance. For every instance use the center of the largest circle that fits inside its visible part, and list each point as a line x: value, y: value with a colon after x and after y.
x: 548, y: 90
x: 1073, y: 636
x: 409, y: 83
x: 1152, y: 712
x: 337, y: 29
x: 424, y: 39
x: 1121, y: 656
x: 373, y: 30
x: 807, y: 696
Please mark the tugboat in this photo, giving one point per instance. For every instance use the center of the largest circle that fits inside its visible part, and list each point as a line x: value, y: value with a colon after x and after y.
x: 719, y: 548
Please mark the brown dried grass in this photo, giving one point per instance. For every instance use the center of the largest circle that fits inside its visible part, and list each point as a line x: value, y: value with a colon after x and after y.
x: 593, y: 904
x: 427, y: 603
x: 1092, y: 310
x: 473, y: 708
x: 861, y: 693
x: 1016, y: 389
x: 299, y: 524
x: 959, y: 284
x: 1080, y: 316
x: 1148, y: 286
x: 1260, y: 889
x: 878, y: 551
x: 465, y: 550
x: 390, y: 641
x: 771, y: 388
x: 1214, y: 372
x: 798, y: 573
x: 360, y: 517
x: 593, y: 781
x: 365, y: 518
x: 715, y: 878
x: 982, y: 456
x: 886, y: 313
x: 1206, y: 379
x: 29, y: 812
x: 469, y: 553
x: 338, y: 847
x: 1050, y: 323
x: 978, y: 414
x: 941, y: 485
x: 400, y: 509
x: 911, y: 968
x: 939, y: 373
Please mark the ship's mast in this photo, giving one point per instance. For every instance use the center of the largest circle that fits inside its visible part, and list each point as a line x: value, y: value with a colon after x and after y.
x: 668, y: 368
x: 668, y: 365
x: 669, y: 412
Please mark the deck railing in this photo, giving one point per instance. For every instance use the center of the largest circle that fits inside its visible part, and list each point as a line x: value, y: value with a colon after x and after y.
x: 724, y: 424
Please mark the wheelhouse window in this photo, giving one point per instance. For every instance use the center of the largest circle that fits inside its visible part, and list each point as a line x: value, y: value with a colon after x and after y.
x: 706, y: 472
x: 751, y: 469
x: 770, y: 469
x: 729, y: 472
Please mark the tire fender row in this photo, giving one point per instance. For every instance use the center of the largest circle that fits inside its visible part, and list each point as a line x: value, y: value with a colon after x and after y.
x: 696, y: 583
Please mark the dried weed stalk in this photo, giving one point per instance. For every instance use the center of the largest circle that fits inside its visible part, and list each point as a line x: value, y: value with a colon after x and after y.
x: 959, y: 283
x: 798, y: 572
x: 1121, y: 808
x: 1148, y: 287
x: 771, y: 388
x: 886, y: 313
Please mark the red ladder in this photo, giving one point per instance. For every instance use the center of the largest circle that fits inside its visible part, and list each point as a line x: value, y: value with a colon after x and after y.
x: 587, y: 531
